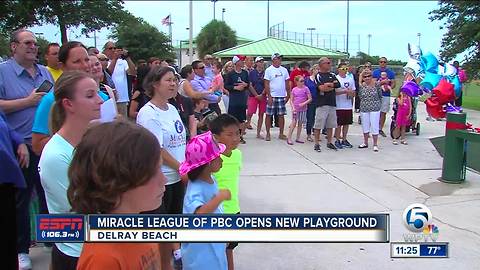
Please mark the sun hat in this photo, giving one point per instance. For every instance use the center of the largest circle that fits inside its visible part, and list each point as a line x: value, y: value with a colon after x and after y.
x: 237, y: 58
x: 201, y: 149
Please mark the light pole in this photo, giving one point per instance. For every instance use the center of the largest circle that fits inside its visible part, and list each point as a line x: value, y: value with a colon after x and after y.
x: 268, y: 18
x: 223, y: 11
x: 190, y: 32
x: 348, y: 24
x: 369, y: 37
x: 419, y: 35
x: 311, y: 29
x: 214, y: 1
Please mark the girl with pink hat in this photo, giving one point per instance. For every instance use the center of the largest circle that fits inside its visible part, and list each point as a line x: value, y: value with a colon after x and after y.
x: 202, y: 158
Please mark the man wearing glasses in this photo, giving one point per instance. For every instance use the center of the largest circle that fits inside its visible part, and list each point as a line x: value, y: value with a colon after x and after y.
x: 326, y: 113
x: 20, y: 77
x: 119, y: 66
x: 385, y: 92
x: 202, y: 83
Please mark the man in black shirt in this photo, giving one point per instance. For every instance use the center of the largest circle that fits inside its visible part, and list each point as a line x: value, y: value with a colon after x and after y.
x: 326, y: 113
x: 238, y: 83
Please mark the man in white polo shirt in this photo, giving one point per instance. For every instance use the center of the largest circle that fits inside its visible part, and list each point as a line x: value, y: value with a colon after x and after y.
x: 278, y: 94
x: 120, y: 64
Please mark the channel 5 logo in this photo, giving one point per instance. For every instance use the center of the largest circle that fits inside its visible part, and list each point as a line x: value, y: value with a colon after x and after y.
x: 416, y: 217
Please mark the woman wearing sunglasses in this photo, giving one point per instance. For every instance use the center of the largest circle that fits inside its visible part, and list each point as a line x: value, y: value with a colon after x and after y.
x: 370, y: 94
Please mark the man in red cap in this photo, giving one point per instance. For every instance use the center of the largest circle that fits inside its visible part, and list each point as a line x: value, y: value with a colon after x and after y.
x: 238, y: 84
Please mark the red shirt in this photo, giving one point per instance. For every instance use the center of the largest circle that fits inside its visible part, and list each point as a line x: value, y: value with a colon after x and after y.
x: 296, y: 72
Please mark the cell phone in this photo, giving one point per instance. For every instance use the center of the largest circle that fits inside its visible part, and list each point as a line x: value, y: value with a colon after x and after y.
x: 45, y: 86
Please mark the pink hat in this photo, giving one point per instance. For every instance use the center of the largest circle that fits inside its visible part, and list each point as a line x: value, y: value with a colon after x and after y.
x: 201, y: 149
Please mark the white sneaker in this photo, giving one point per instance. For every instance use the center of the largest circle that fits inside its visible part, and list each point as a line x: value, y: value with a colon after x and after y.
x: 24, y: 261
x: 375, y: 148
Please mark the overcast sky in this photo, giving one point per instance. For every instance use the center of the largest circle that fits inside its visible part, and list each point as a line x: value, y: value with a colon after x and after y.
x: 391, y: 24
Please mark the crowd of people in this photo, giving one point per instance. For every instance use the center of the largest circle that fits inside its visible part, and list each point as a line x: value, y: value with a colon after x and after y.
x: 148, y: 159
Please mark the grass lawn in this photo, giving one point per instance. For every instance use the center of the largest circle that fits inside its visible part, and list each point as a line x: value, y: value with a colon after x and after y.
x: 471, y: 96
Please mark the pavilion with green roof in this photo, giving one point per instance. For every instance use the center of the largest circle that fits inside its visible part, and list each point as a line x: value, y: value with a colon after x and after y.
x: 288, y: 49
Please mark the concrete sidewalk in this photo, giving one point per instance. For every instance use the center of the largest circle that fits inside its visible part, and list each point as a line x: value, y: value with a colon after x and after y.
x: 278, y: 178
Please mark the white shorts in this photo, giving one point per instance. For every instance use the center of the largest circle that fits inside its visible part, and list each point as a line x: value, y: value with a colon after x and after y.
x: 385, y: 105
x: 370, y: 122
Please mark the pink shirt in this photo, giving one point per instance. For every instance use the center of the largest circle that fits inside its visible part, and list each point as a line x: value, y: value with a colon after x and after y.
x: 217, y: 82
x: 300, y: 95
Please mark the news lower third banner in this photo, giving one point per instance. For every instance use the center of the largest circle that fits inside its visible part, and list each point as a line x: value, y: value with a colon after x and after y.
x: 300, y: 228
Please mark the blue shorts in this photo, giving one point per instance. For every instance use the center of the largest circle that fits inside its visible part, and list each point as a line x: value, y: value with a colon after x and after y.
x: 277, y: 107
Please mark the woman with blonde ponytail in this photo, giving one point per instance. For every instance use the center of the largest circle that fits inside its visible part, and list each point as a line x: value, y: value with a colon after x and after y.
x: 76, y: 104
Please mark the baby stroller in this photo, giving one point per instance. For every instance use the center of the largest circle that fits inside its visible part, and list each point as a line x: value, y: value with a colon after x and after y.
x: 414, y: 125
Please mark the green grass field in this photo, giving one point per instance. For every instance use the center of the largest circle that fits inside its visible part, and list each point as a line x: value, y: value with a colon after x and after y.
x: 471, y: 95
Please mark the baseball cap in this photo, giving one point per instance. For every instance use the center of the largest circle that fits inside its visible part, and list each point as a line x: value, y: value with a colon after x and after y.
x: 258, y: 59
x: 237, y: 58
x: 276, y: 55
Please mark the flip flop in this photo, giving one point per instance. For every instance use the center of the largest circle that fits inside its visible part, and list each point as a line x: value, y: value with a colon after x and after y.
x: 268, y: 138
x: 289, y: 142
x: 298, y: 141
x: 260, y: 137
x: 309, y: 139
x: 282, y: 137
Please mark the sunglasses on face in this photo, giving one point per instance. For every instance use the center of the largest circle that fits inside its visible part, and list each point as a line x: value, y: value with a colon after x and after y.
x: 367, y: 76
x: 301, y: 80
x: 102, y: 59
x: 202, y: 67
x: 111, y: 48
x: 382, y: 62
x: 344, y: 69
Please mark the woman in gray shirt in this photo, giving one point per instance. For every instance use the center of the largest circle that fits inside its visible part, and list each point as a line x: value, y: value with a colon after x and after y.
x: 370, y: 95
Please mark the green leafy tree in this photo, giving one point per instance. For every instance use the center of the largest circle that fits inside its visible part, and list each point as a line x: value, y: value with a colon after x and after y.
x: 42, y: 49
x: 214, y: 37
x: 87, y: 14
x: 142, y: 39
x: 4, y: 46
x: 362, y: 58
x: 462, y: 21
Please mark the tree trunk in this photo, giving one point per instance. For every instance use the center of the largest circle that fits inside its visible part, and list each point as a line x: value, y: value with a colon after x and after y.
x: 63, y: 32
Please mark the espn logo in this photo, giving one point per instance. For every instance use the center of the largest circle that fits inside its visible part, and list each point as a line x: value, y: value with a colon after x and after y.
x: 57, y: 223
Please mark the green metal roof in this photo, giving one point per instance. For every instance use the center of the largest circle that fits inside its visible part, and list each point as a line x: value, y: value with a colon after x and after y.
x: 267, y: 46
x: 240, y: 41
